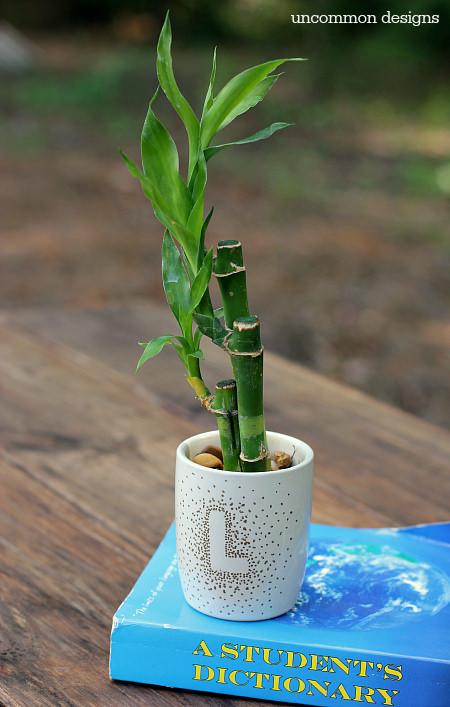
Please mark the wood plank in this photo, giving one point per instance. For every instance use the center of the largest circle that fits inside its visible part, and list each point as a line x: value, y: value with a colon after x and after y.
x: 365, y: 449
x: 63, y: 576
x: 86, y: 497
x: 86, y: 472
x: 95, y: 440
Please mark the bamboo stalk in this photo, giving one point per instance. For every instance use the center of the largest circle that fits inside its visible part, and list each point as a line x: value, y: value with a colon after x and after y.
x: 229, y: 270
x: 224, y: 407
x: 244, y: 347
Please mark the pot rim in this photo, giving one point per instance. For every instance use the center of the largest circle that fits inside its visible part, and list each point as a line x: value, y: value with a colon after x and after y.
x: 307, y: 452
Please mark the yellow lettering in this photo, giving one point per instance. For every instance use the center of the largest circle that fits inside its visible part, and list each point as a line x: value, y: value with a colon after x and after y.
x: 229, y: 651
x: 221, y: 679
x: 204, y: 649
x: 232, y: 678
x: 249, y: 653
x: 266, y: 656
x: 341, y: 691
x: 367, y: 696
x: 290, y: 660
x: 316, y: 662
x: 198, y: 672
x: 287, y: 685
x: 387, y: 697
x: 393, y: 672
x: 259, y: 679
x: 276, y: 682
x: 318, y: 687
x: 340, y: 664
x: 363, y: 669
x: 357, y: 697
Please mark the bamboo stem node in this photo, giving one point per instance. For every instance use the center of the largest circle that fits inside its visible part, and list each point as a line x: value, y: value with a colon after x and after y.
x: 235, y: 269
x: 226, y: 413
x: 250, y: 354
x: 264, y: 455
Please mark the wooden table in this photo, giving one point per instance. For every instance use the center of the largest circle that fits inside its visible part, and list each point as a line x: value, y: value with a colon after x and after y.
x: 86, y: 484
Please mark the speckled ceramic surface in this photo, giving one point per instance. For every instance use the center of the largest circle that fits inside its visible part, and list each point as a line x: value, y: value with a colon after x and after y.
x: 242, y: 538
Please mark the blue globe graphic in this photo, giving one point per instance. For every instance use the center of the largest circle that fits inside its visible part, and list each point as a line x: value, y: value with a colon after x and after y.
x: 366, y: 587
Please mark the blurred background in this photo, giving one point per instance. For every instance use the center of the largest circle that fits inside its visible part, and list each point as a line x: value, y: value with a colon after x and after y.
x: 344, y: 217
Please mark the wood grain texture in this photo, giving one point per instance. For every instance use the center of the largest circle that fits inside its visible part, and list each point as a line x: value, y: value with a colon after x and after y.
x: 365, y: 449
x: 86, y: 478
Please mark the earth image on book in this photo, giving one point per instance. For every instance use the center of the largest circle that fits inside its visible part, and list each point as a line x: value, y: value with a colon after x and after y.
x: 366, y: 587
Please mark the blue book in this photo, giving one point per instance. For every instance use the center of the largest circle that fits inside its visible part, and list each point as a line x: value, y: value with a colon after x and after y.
x: 371, y: 626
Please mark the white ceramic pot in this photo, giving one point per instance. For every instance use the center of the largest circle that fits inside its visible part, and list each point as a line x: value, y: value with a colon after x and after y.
x: 242, y: 538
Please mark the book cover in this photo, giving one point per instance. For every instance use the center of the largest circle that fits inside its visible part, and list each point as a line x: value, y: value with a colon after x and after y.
x: 371, y: 626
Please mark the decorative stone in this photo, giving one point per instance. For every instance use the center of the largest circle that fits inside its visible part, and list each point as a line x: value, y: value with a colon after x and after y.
x: 283, y: 460
x: 208, y: 460
x: 215, y: 451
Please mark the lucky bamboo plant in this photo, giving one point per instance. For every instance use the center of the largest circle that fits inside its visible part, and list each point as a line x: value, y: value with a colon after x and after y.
x: 187, y: 265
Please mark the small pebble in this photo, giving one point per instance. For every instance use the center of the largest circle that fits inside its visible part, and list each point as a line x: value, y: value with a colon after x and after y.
x: 209, y: 460
x: 283, y: 460
x: 215, y: 451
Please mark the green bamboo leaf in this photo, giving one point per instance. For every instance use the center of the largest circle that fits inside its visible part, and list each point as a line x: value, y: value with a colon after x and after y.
x: 219, y: 333
x: 206, y: 223
x: 206, y: 331
x: 195, y: 221
x: 251, y: 100
x: 184, y: 236
x: 201, y: 246
x: 261, y: 135
x: 211, y: 327
x: 203, y: 320
x: 199, y: 184
x: 160, y: 164
x: 146, y: 184
x: 169, y: 86
x: 197, y: 354
x: 209, y: 97
x: 155, y: 346
x: 198, y: 179
x: 201, y: 282
x: 160, y: 207
x: 232, y: 95
x: 186, y: 350
x: 187, y: 240
x: 185, y: 322
x: 190, y: 268
x: 197, y: 338
x: 181, y: 350
x: 175, y: 279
